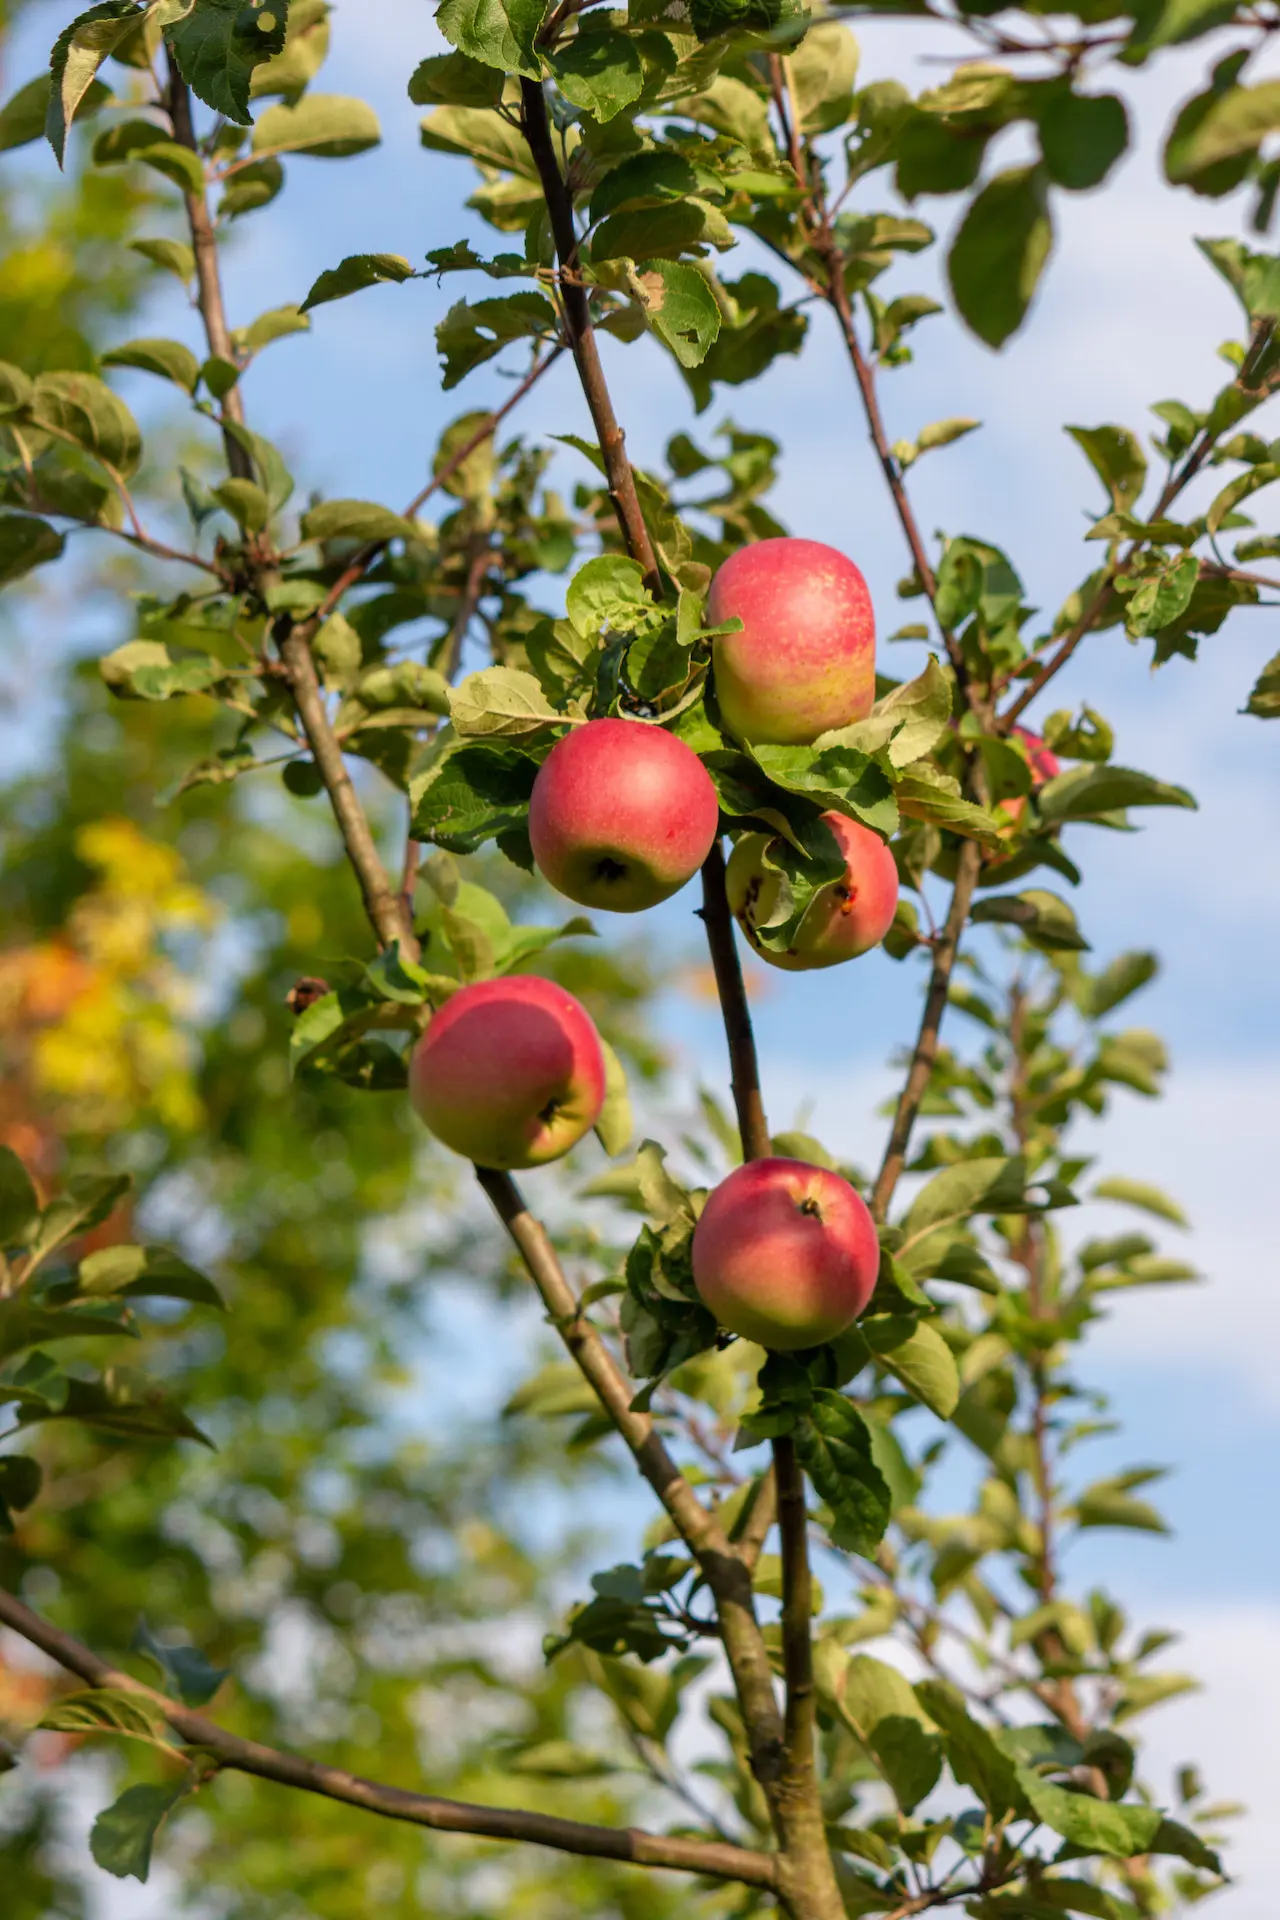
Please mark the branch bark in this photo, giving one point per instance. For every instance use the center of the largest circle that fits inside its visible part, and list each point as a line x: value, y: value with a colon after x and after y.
x: 582, y: 340
x: 925, y: 1052
x: 718, y: 1859
x: 204, y: 245
x: 744, y: 1066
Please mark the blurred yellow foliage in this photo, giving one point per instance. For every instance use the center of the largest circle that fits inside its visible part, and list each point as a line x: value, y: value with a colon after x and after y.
x: 95, y: 1024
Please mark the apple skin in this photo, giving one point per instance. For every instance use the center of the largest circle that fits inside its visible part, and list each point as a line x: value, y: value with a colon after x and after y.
x: 804, y: 660
x: 510, y: 1072
x: 622, y: 815
x: 1045, y: 765
x: 847, y: 918
x: 785, y: 1254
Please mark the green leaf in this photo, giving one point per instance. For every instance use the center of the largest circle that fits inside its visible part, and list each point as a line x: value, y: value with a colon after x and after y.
x: 106, y: 1710
x: 276, y: 324
x: 880, y: 1706
x: 972, y: 1754
x: 1083, y: 793
x: 328, y: 126
x: 1253, y: 277
x: 616, y: 1125
x: 357, y: 271
x: 999, y: 253
x: 173, y: 255
x: 246, y: 502
x: 85, y: 1204
x: 1171, y: 1837
x: 168, y: 358
x: 498, y: 33
x: 839, y: 778
x: 1124, y: 976
x: 26, y: 542
x: 455, y: 80
x: 1109, y: 1503
x: 218, y: 43
x: 599, y: 71
x: 254, y: 184
x: 78, y: 52
x: 479, y: 135
x: 1095, y: 1826
x: 650, y: 179
x: 679, y: 307
x: 1137, y: 1193
x: 833, y: 1443
x: 470, y: 333
x: 143, y: 140
x: 145, y: 1273
x: 121, y: 1403
x: 122, y: 1837
x: 185, y: 1670
x: 1264, y: 701
x: 18, y: 1202
x: 1235, y: 123
x: 472, y: 794
x: 917, y: 1353
x: 82, y: 408
x: 1081, y: 137
x: 1043, y: 919
x: 608, y: 594
x: 1155, y: 600
x: 22, y: 119
x: 501, y: 702
x: 1116, y: 458
x: 1257, y: 477
x: 954, y: 1194
x: 559, y: 1760
x: 145, y: 670
x: 360, y: 520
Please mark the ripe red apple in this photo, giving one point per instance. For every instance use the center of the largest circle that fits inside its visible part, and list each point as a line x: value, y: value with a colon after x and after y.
x: 622, y: 814
x: 510, y: 1072
x: 804, y: 660
x: 785, y: 1254
x: 846, y: 918
x: 1045, y: 764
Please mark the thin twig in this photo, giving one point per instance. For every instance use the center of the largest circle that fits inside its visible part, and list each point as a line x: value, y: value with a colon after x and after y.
x: 720, y: 1860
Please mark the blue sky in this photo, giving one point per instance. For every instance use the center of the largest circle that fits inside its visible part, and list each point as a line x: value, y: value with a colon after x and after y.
x: 1128, y: 315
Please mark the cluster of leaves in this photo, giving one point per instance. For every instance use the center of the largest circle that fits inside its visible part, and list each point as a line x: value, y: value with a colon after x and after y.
x: 51, y: 1297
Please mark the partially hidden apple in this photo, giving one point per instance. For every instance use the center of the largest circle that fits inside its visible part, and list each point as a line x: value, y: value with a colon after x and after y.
x: 622, y: 815
x: 510, y: 1073
x: 785, y: 1254
x: 803, y: 662
x: 846, y: 918
x: 1045, y: 765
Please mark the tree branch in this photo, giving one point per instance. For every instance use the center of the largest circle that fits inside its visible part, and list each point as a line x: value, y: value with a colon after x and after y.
x: 744, y: 1067
x: 582, y: 339
x: 726, y: 1572
x: 204, y: 245
x: 797, y: 1608
x: 945, y: 948
x: 719, y: 1859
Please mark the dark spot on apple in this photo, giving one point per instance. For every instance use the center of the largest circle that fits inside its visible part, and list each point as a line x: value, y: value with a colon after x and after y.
x: 607, y: 868
x: 548, y: 1113
x: 812, y: 1208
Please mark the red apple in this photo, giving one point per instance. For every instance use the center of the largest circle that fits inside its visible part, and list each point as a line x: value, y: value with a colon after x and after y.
x: 785, y: 1254
x: 622, y: 814
x: 845, y: 919
x: 804, y: 660
x: 510, y: 1072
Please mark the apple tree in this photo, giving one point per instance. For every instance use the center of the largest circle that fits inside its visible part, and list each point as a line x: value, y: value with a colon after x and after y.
x: 785, y: 1348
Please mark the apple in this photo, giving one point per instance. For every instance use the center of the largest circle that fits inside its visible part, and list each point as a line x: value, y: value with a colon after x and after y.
x: 510, y: 1072
x: 804, y: 659
x: 1045, y: 764
x: 846, y: 918
x: 785, y: 1254
x: 622, y: 814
